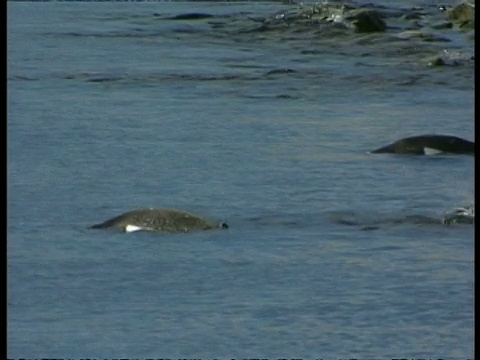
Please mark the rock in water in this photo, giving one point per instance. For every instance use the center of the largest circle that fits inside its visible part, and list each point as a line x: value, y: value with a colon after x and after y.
x: 367, y: 21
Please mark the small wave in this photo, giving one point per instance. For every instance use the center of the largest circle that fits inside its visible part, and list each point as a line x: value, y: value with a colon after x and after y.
x: 191, y: 16
x: 22, y: 78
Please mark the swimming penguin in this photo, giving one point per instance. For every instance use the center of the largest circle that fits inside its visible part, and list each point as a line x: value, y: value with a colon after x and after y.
x: 461, y: 215
x: 159, y: 220
x: 429, y: 145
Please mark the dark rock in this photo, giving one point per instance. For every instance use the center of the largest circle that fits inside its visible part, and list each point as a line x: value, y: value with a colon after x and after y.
x: 436, y: 61
x: 367, y: 21
x: 463, y: 16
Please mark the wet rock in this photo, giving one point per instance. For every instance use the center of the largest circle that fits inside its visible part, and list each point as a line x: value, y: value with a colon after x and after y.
x: 367, y: 21
x: 463, y: 15
x: 332, y: 14
x: 436, y: 61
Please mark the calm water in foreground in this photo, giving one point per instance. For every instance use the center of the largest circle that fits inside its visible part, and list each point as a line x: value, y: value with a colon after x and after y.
x: 111, y: 106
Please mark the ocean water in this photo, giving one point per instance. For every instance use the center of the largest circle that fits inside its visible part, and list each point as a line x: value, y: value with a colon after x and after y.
x: 115, y: 106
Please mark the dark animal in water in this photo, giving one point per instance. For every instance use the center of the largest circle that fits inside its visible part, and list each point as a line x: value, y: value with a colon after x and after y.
x: 160, y: 220
x: 429, y: 144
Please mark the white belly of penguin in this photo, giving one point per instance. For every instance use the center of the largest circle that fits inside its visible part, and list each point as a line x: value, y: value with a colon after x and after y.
x: 431, y: 151
x: 132, y: 228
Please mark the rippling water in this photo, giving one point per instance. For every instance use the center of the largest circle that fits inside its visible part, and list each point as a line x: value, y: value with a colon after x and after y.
x: 114, y: 106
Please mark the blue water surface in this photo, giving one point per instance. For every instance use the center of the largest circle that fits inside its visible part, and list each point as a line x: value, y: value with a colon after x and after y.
x: 112, y: 107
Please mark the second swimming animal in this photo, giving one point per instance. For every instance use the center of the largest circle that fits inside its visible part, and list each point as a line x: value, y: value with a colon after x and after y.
x: 429, y: 145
